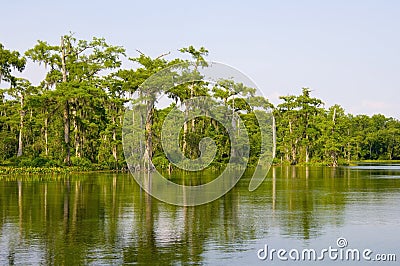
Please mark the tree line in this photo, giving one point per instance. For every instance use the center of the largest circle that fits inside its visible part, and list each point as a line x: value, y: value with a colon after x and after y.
x: 75, y: 115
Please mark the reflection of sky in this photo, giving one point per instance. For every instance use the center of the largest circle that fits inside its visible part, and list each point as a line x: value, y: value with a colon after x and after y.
x: 16, y: 248
x: 345, y: 51
x: 169, y: 227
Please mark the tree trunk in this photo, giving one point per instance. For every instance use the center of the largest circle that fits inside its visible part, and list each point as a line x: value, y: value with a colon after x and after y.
x: 349, y: 149
x: 390, y: 152
x: 46, y: 141
x: 76, y: 135
x: 63, y: 66
x: 191, y: 97
x: 370, y: 151
x: 66, y: 133
x: 334, y: 153
x: 114, y: 137
x: 21, y: 127
x: 348, y: 152
x: 82, y: 141
x: 307, y: 155
x: 294, y: 156
x: 292, y: 146
x: 334, y: 159
x: 20, y: 143
x: 141, y: 126
x: 307, y: 150
x: 66, y: 105
x: 185, y: 130
x: 149, y: 134
x: 233, y: 122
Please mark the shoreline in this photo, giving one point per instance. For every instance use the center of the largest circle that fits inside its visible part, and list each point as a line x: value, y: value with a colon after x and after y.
x: 11, y: 170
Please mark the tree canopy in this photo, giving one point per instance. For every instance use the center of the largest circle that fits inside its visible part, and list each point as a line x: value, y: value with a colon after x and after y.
x: 75, y: 115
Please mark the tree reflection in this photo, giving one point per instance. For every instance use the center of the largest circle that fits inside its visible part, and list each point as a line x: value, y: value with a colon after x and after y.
x: 109, y: 219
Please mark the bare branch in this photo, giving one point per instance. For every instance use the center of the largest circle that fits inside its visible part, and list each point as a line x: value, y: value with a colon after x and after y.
x: 83, y: 49
x: 139, y: 52
x: 163, y: 55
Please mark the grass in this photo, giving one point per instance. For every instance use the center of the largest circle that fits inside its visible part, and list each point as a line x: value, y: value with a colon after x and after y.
x: 6, y: 170
x: 380, y: 161
x: 9, y: 170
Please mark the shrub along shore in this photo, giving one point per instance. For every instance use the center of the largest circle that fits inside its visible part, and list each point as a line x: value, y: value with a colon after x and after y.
x: 54, y: 171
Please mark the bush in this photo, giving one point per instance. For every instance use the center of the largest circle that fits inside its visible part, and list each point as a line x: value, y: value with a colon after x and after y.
x: 33, y: 162
x: 52, y: 163
x: 39, y: 162
x: 160, y: 162
x: 24, y: 162
x: 81, y: 162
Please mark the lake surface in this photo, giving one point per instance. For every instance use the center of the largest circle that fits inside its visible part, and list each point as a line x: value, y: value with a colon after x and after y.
x: 103, y: 219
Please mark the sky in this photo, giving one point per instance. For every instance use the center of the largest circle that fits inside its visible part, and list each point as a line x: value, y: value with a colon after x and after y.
x: 346, y: 52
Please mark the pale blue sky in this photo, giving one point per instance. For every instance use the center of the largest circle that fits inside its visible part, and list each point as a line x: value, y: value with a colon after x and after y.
x: 347, y: 52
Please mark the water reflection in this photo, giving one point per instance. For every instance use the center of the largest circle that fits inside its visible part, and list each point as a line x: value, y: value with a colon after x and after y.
x: 109, y: 219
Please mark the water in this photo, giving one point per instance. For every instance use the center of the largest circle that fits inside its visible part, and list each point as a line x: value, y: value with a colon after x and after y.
x: 103, y: 219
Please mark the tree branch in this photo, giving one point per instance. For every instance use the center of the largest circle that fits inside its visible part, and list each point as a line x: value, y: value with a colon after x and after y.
x: 162, y: 55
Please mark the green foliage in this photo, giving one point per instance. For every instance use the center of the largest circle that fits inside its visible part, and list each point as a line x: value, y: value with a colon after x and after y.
x: 10, y: 60
x: 331, y: 136
x: 33, y: 170
x: 160, y: 161
x: 82, y: 163
x: 74, y: 117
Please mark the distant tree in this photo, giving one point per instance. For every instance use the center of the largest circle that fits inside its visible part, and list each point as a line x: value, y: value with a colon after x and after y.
x: 21, y: 89
x: 148, y: 93
x: 298, y: 118
x: 198, y: 55
x: 75, y: 69
x: 334, y: 134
